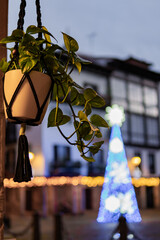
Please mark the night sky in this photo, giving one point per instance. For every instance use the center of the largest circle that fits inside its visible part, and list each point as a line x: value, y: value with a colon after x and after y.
x: 110, y: 28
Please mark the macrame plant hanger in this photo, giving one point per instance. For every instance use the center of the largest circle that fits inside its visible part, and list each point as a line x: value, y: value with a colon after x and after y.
x: 23, y: 169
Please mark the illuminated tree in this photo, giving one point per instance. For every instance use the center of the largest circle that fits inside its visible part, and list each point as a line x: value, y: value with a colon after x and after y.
x: 118, y: 195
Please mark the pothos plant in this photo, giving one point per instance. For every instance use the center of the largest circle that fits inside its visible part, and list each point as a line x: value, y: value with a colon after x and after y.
x: 41, y: 54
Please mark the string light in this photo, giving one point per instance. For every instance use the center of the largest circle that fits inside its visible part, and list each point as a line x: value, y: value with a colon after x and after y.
x: 31, y: 156
x: 136, y: 161
x: 75, y: 181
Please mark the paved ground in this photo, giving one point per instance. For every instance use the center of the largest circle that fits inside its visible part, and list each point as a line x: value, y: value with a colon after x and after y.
x: 85, y: 227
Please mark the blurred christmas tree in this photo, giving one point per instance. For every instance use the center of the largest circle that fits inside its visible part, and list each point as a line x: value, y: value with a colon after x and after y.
x: 118, y: 195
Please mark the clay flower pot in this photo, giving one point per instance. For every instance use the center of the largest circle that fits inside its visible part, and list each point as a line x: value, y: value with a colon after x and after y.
x: 30, y: 102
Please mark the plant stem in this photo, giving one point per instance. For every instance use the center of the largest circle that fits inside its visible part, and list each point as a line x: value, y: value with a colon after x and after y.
x: 90, y: 140
x: 65, y: 136
x: 74, y: 116
x: 75, y: 131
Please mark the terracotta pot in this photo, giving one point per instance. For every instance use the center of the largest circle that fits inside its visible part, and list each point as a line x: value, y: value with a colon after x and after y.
x: 24, y: 107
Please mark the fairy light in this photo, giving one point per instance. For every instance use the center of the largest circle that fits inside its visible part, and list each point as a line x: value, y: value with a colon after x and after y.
x: 75, y: 181
x: 136, y: 161
x: 31, y: 156
x: 149, y: 182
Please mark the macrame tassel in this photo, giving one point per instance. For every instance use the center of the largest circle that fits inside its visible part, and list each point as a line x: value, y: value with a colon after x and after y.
x: 23, y: 169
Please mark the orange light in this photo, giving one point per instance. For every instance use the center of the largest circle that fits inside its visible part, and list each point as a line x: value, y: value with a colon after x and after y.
x: 75, y: 181
x: 31, y: 156
x: 136, y: 161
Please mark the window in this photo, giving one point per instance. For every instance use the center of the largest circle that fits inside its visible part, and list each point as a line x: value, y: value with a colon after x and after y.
x: 139, y: 98
x: 150, y: 197
x: 135, y: 98
x: 118, y: 88
x: 119, y: 93
x: 137, y: 129
x: 152, y: 131
x: 61, y: 154
x: 124, y: 129
x: 151, y: 101
x: 151, y: 159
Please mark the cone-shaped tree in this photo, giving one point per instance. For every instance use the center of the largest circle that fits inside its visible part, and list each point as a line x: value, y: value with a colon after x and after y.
x: 118, y: 195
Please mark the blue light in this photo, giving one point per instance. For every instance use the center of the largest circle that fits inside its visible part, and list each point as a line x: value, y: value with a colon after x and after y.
x: 118, y: 195
x: 116, y: 236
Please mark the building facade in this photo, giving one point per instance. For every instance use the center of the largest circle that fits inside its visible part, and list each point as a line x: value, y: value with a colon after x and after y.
x: 129, y: 83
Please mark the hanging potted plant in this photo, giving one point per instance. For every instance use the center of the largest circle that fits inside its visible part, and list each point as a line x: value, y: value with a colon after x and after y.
x: 37, y: 66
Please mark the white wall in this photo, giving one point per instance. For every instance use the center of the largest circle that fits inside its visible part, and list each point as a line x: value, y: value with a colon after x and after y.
x: 91, y: 78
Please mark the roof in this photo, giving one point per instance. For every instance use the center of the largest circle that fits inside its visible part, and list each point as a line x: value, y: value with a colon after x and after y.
x: 129, y: 65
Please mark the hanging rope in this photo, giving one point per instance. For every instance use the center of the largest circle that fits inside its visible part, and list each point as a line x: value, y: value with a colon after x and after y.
x: 23, y: 169
x: 39, y: 22
x: 21, y: 15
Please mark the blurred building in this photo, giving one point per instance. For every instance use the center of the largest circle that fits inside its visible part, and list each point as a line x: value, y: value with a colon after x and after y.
x: 129, y: 83
x: 134, y: 86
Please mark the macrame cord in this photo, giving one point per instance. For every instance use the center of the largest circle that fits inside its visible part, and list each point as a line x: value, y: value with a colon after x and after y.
x: 23, y: 168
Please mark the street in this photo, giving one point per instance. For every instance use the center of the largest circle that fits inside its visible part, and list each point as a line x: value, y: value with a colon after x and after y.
x: 85, y: 227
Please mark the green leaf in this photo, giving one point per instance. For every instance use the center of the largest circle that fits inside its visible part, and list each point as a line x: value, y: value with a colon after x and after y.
x: 88, y: 108
x: 47, y: 37
x: 27, y: 39
x: 70, y: 43
x: 52, y: 121
x: 79, y: 66
x: 89, y: 159
x: 65, y: 120
x: 57, y: 90
x: 4, y: 65
x: 27, y: 63
x: 81, y: 99
x: 98, y: 134
x: 98, y: 121
x: 82, y: 116
x: 52, y: 63
x: 96, y: 148
x: 97, y: 102
x: 89, y: 94
x: 93, y: 149
x: 84, y: 130
x: 82, y: 60
x: 51, y: 50
x: 61, y: 119
x: 80, y: 145
x: 78, y: 100
x: 10, y: 39
x: 76, y: 124
x: 74, y: 96
x: 88, y: 137
x: 33, y: 30
x: 98, y: 144
x: 18, y: 33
